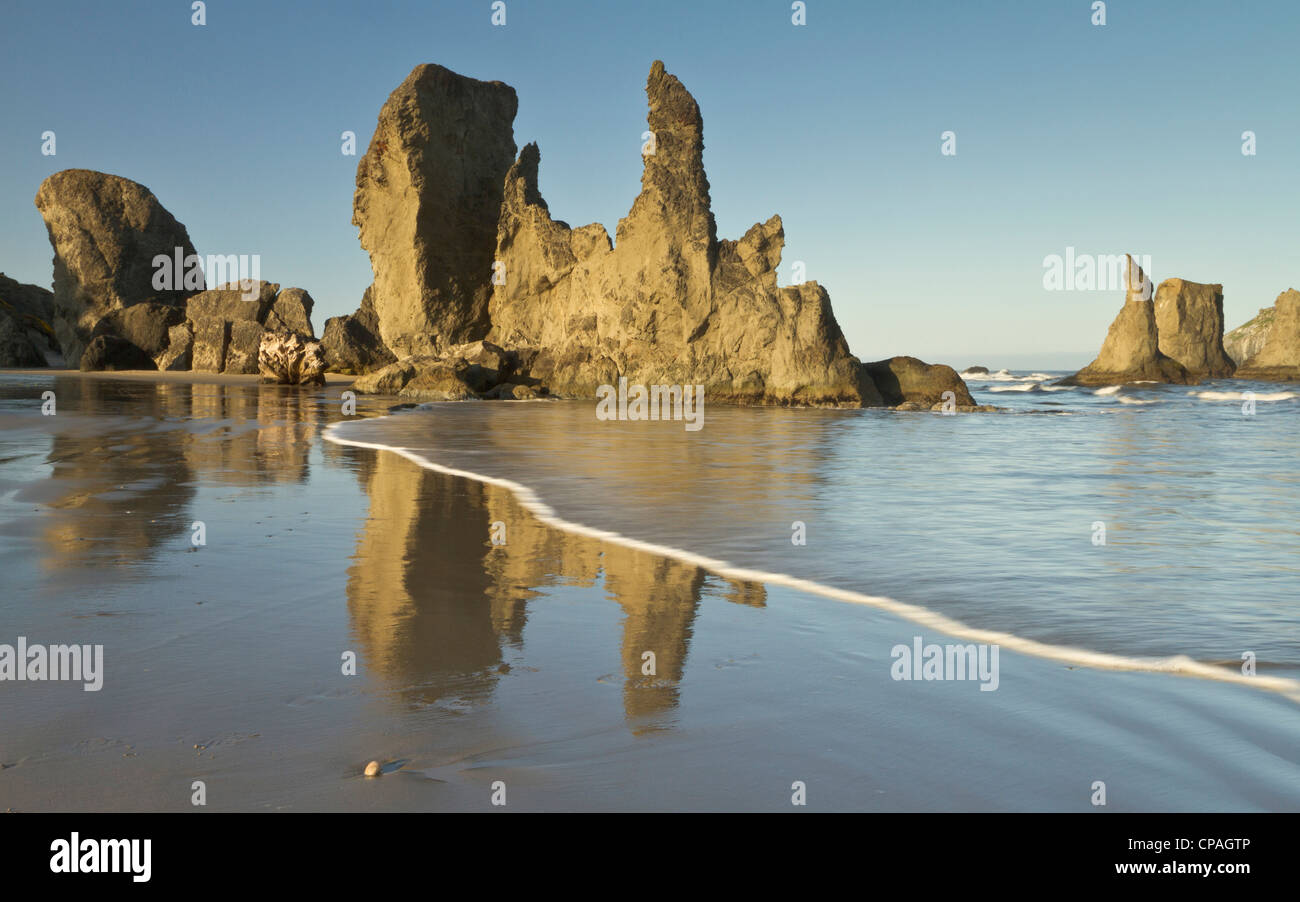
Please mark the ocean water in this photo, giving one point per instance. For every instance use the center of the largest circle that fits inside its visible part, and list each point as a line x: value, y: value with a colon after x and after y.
x: 1147, y: 522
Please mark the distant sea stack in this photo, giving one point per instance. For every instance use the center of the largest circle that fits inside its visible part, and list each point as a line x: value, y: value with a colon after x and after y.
x: 1248, y: 339
x: 106, y: 231
x: 1131, y: 351
x: 1189, y: 320
x: 1279, y: 359
x: 464, y: 247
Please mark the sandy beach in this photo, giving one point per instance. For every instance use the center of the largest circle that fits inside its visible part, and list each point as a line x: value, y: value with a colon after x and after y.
x: 477, y: 663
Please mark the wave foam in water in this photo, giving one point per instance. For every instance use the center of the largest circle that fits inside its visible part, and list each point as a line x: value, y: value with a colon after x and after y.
x: 1177, y: 664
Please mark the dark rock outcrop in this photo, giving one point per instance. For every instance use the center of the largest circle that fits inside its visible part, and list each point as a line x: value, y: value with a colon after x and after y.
x: 106, y: 232
x: 1189, y: 322
x: 427, y: 200
x: 1279, y: 359
x: 26, y: 336
x: 907, y: 380
x: 352, y: 345
x: 109, y: 352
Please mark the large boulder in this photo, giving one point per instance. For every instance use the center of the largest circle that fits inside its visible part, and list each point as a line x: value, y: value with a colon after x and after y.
x: 427, y: 198
x: 1279, y: 359
x: 907, y: 380
x: 106, y: 232
x: 351, y: 344
x: 1189, y: 321
x: 26, y: 336
x: 1248, y: 339
x: 291, y: 312
x: 668, y: 302
x: 287, y: 358
x: 1131, y: 351
x: 147, y: 326
x: 426, y: 378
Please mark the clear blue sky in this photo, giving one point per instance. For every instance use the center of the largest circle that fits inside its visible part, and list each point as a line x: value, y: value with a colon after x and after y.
x: 1119, y: 138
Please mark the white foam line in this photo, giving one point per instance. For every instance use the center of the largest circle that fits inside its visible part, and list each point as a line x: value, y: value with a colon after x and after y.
x: 1178, y: 664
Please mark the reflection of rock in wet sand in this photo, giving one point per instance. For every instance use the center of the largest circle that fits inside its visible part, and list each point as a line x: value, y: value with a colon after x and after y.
x: 433, y: 601
x: 123, y: 483
x: 126, y: 483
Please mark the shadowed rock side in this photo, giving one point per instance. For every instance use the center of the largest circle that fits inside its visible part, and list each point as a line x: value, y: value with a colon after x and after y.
x: 351, y: 344
x: 1248, y: 339
x: 1279, y: 359
x: 1189, y: 321
x: 1131, y: 351
x: 427, y: 199
x: 106, y: 231
x: 26, y: 336
x: 670, y: 303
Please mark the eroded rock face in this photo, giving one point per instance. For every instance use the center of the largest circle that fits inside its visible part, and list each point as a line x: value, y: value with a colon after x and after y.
x: 1131, y: 351
x: 106, y: 231
x: 26, y: 336
x: 427, y: 200
x: 352, y: 345
x: 287, y: 358
x: 1248, y: 339
x: 1189, y: 321
x: 670, y: 303
x: 1279, y: 360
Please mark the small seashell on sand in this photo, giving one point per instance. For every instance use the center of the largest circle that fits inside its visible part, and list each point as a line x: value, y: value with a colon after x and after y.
x: 372, y: 769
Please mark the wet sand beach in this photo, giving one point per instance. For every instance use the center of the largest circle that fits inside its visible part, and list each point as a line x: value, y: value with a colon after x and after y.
x: 479, y: 663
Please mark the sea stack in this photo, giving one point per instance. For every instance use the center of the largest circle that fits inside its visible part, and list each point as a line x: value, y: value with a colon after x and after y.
x: 1279, y: 360
x: 427, y: 200
x: 669, y: 302
x: 1189, y: 320
x: 106, y: 232
x: 1131, y: 351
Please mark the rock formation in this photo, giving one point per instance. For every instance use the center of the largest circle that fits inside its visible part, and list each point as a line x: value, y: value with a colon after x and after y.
x: 1279, y: 359
x: 906, y: 380
x: 26, y: 336
x: 351, y: 344
x: 105, y: 231
x: 1131, y: 351
x: 1248, y: 339
x: 670, y: 303
x: 464, y: 248
x: 427, y: 200
x: 1189, y: 321
x: 289, y: 359
x: 228, y: 324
